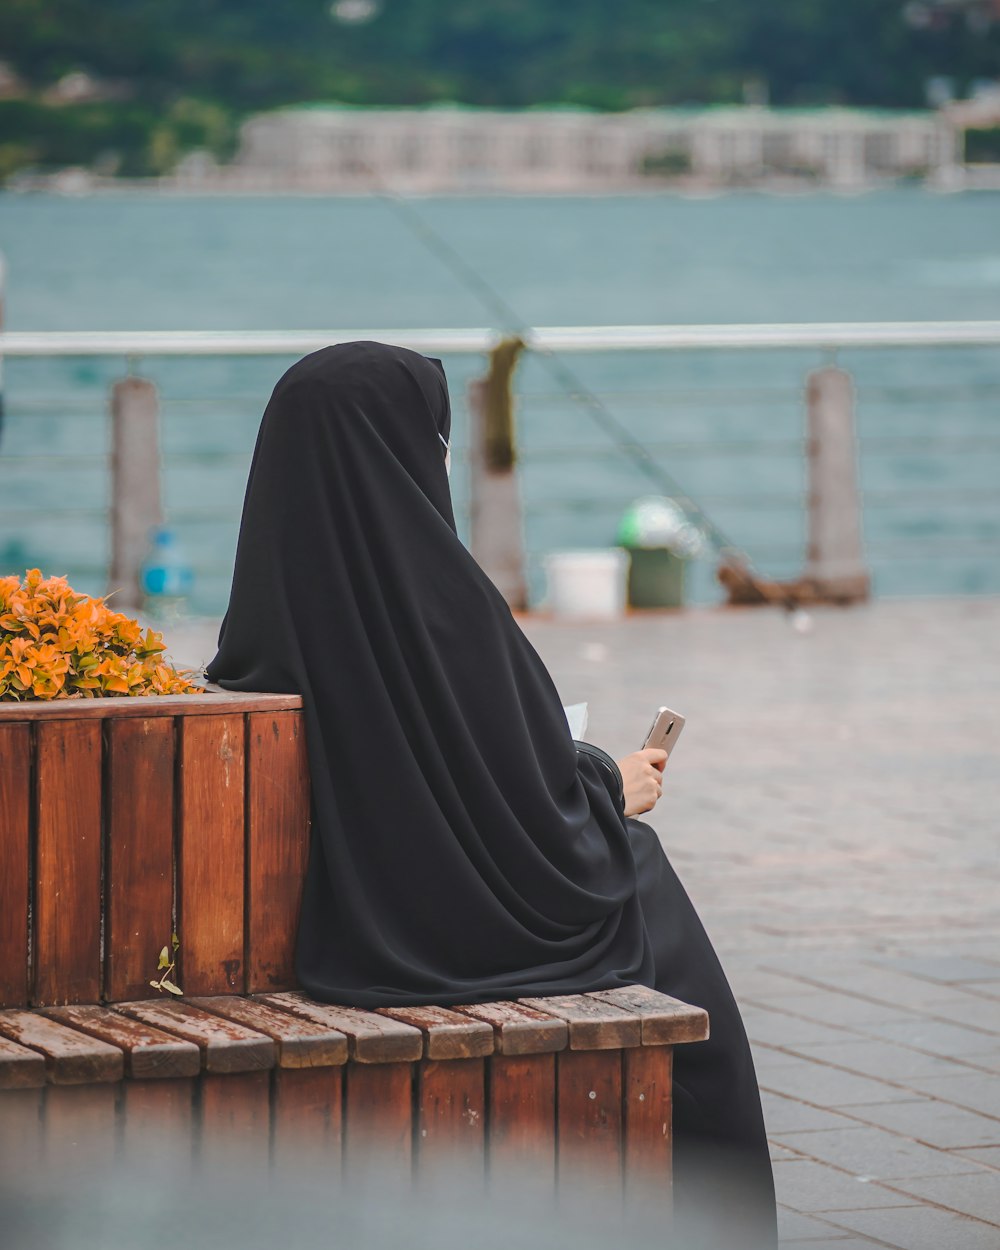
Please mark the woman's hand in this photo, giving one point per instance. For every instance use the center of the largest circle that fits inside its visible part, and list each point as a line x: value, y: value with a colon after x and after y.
x: 642, y: 776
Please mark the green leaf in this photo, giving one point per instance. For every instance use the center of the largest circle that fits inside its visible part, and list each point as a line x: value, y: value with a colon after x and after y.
x: 164, y: 960
x: 155, y: 985
x: 174, y: 989
x: 175, y: 941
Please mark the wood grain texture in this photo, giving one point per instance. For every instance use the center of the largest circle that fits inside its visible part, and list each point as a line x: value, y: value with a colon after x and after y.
x: 300, y: 1043
x: 518, y: 1029
x: 149, y: 1052
x: 522, y: 1117
x: 235, y: 1123
x: 67, y: 956
x: 139, y: 883
x: 665, y: 1020
x: 209, y: 704
x: 157, y: 1125
x: 20, y: 1068
x: 277, y: 845
x: 15, y: 887
x: 648, y: 1118
x: 210, y: 855
x: 378, y: 1119
x: 447, y: 1034
x: 593, y: 1024
x: 451, y: 1118
x: 371, y: 1038
x: 589, y: 1098
x: 80, y: 1133
x: 22, y: 1139
x: 225, y: 1046
x: 307, y: 1112
x: 71, y: 1058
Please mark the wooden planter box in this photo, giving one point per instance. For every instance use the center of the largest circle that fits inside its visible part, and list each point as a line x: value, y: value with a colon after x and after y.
x: 125, y: 820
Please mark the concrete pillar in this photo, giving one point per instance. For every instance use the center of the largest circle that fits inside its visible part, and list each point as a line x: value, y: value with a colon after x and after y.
x: 835, y: 555
x: 136, y: 506
x: 496, y: 527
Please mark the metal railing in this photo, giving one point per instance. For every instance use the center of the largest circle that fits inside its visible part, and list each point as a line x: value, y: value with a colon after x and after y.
x: 722, y: 406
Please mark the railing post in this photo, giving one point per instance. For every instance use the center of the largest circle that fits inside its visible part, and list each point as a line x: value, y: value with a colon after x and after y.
x: 835, y: 560
x: 3, y: 300
x: 135, y: 484
x: 495, y: 520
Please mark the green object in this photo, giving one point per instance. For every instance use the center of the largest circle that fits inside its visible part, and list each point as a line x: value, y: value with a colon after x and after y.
x: 656, y: 578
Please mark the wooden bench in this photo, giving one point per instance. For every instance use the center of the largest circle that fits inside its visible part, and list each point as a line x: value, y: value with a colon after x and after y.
x: 120, y: 818
x: 566, y: 1086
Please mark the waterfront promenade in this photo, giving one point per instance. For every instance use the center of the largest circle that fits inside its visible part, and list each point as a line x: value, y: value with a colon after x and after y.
x: 833, y: 809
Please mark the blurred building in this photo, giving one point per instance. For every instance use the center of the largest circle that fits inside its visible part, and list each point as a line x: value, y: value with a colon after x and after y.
x: 451, y: 148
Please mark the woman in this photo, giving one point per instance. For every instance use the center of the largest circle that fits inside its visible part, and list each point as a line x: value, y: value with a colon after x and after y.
x: 463, y: 849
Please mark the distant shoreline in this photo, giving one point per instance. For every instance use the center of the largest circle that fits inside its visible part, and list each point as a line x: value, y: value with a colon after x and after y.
x: 71, y: 184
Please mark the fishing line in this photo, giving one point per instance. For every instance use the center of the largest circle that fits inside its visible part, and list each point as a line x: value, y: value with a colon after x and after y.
x: 567, y: 379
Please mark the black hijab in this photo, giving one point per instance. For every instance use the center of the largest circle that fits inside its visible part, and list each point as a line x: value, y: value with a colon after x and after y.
x: 461, y: 849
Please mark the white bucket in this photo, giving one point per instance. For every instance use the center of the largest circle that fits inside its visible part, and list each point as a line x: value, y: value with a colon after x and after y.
x: 590, y: 584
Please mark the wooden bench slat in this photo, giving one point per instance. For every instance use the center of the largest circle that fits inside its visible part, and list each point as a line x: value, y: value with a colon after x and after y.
x: 20, y: 1068
x: 448, y: 1034
x: 149, y: 1052
x: 15, y: 859
x: 301, y: 1043
x: 71, y: 1058
x: 225, y: 1045
x: 67, y: 909
x: 371, y: 1038
x: 593, y: 1024
x: 519, y: 1029
x: 210, y: 861
x: 666, y: 1021
x: 138, y: 885
x: 277, y: 846
x: 209, y: 704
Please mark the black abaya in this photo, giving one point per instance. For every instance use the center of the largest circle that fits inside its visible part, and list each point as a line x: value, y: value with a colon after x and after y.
x: 461, y: 848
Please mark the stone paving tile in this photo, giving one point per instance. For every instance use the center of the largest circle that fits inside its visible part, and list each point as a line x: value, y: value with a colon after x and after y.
x: 783, y: 1114
x: 779, y: 1029
x: 840, y: 1009
x: 826, y: 1086
x: 920, y: 1228
x: 934, y: 1123
x: 977, y: 1194
x: 937, y: 1036
x: 976, y: 1091
x: 984, y: 1154
x: 810, y: 1187
x: 876, y: 1153
x: 948, y: 969
x: 877, y: 1058
x: 974, y: 1010
x: 842, y: 1242
x: 795, y: 1227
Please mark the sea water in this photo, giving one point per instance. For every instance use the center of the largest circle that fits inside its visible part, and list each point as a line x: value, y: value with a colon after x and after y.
x: 726, y: 428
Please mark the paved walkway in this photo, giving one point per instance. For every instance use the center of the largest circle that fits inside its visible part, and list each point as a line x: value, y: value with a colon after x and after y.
x: 833, y: 810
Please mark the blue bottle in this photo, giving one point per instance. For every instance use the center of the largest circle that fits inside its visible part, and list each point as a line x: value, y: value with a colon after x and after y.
x: 166, y: 577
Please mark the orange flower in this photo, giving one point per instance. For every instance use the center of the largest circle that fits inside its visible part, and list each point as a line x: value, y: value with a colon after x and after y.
x: 57, y: 644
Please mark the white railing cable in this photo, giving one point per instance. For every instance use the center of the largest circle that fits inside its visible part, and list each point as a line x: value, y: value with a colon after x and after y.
x: 476, y: 341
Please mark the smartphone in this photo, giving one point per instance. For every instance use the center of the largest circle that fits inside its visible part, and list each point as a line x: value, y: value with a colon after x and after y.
x: 665, y: 730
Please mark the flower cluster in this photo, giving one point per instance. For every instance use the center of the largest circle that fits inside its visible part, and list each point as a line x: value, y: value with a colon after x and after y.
x: 56, y: 644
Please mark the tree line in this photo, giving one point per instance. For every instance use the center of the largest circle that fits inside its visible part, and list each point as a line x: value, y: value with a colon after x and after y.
x: 182, y: 73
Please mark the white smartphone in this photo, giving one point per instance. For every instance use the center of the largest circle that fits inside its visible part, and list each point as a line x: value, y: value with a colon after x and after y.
x: 665, y: 730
